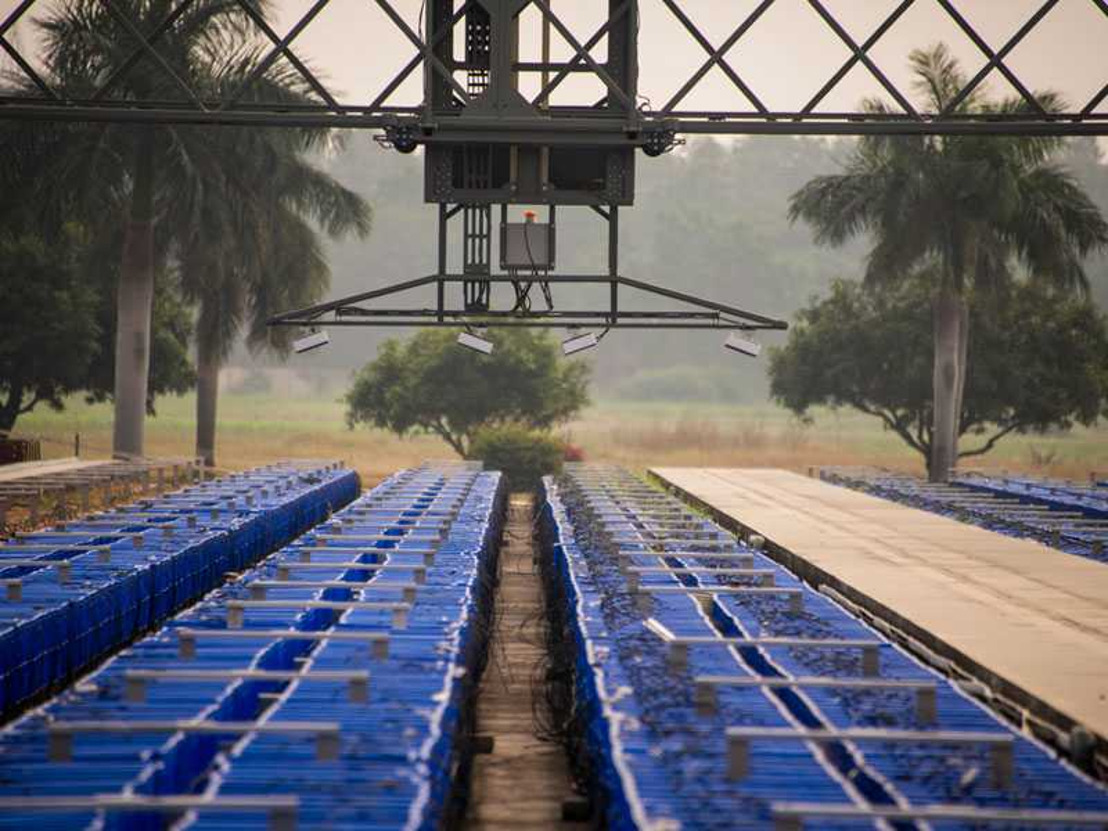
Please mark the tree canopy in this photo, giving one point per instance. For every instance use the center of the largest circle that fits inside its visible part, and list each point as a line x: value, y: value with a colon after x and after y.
x: 1037, y: 361
x: 963, y: 209
x: 66, y: 345
x: 44, y: 355
x: 430, y: 384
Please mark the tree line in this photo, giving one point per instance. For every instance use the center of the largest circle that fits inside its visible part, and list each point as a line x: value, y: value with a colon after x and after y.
x: 193, y: 232
x: 125, y: 245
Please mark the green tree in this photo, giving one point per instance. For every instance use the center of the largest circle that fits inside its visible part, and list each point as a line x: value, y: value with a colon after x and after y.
x: 48, y: 326
x: 972, y: 207
x: 66, y: 276
x: 1037, y: 361
x: 228, y: 210
x: 430, y: 384
x: 126, y: 172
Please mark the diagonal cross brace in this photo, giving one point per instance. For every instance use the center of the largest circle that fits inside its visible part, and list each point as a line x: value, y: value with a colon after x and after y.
x: 994, y: 59
x: 862, y: 56
x: 716, y: 56
x: 136, y: 56
x: 27, y: 69
x: 563, y: 73
x: 282, y: 48
x: 410, y: 67
x: 424, y: 49
x: 147, y: 47
x: 1094, y: 102
x: 306, y: 74
x: 870, y: 42
x: 580, y: 52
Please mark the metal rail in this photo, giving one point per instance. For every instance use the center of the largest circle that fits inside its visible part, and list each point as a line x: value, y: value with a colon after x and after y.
x: 629, y: 124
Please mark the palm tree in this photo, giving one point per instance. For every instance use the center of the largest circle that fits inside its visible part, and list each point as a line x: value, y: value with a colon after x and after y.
x: 969, y: 207
x: 253, y: 248
x: 225, y: 208
x: 114, y: 170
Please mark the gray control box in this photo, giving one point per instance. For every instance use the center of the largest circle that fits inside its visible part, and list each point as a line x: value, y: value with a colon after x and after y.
x: 527, y: 245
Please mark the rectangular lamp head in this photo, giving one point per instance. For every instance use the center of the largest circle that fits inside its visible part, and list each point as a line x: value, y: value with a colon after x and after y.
x: 737, y: 343
x: 313, y: 340
x: 579, y: 343
x: 477, y: 344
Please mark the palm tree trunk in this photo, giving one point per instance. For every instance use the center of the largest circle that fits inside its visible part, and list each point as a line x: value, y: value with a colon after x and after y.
x: 207, y: 392
x: 9, y: 409
x: 133, y: 307
x: 948, y: 379
x: 963, y: 356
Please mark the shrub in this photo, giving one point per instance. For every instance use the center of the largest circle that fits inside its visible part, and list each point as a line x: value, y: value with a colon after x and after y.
x: 524, y: 456
x: 573, y: 453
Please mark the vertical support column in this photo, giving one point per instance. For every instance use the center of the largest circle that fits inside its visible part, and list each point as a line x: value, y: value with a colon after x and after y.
x: 440, y: 289
x: 613, y: 261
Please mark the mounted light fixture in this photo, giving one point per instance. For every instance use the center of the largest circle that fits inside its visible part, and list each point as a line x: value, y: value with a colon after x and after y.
x: 315, y: 339
x: 475, y: 342
x: 737, y: 343
x: 579, y: 343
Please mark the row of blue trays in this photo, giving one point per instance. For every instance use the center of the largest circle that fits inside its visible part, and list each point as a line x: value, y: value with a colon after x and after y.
x: 715, y: 689
x: 1066, y: 517
x: 326, y: 687
x: 72, y: 594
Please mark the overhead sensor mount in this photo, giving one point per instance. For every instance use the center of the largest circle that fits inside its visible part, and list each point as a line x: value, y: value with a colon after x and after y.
x: 737, y: 343
x: 313, y: 340
x: 475, y: 342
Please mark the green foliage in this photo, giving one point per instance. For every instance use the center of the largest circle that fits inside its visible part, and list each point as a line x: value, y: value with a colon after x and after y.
x: 171, y: 371
x: 524, y: 456
x: 966, y: 210
x: 49, y: 332
x: 428, y: 383
x: 1037, y: 361
x: 971, y: 204
x: 57, y: 322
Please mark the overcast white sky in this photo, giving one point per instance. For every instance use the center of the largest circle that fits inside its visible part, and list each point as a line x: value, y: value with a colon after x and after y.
x: 785, y: 57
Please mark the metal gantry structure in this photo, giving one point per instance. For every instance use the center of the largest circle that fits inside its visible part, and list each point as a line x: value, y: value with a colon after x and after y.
x: 486, y: 143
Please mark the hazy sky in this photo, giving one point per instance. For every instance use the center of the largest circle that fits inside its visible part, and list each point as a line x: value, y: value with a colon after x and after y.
x: 785, y: 57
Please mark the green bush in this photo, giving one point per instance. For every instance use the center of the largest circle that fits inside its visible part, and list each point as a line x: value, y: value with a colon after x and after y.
x: 524, y: 456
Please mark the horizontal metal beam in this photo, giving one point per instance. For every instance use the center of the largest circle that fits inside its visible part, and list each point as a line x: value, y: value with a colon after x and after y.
x: 60, y: 733
x: 704, y: 314
x: 1000, y: 745
x: 561, y: 130
x: 187, y: 638
x: 135, y: 681
x: 260, y: 588
x: 236, y: 609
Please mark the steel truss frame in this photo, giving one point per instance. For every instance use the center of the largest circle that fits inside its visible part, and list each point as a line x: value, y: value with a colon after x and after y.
x: 692, y: 313
x: 705, y: 314
x: 453, y: 115
x: 628, y: 125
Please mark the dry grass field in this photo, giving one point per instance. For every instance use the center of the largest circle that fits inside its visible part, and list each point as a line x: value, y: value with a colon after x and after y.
x: 254, y: 429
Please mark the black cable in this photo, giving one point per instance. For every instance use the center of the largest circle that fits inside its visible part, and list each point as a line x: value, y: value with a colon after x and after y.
x: 535, y: 269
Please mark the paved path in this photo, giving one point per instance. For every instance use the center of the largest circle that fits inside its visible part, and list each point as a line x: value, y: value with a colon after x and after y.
x: 522, y: 783
x: 23, y: 470
x: 1030, y: 620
